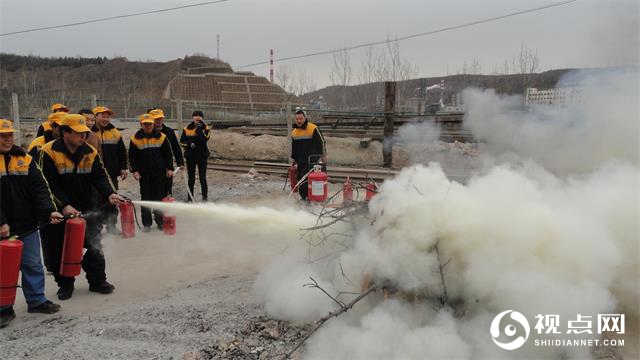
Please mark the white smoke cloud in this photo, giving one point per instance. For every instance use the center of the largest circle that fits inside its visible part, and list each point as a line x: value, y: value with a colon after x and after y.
x: 583, y: 136
x: 550, y: 228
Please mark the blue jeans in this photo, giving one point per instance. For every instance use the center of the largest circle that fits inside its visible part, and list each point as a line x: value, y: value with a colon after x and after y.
x: 32, y: 271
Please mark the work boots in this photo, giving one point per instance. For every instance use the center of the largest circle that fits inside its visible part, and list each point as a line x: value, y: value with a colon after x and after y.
x: 103, y: 287
x: 65, y: 293
x: 6, y: 315
x: 46, y: 307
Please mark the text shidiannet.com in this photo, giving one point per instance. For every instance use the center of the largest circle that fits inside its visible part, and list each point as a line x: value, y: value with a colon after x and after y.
x: 582, y: 342
x: 549, y: 325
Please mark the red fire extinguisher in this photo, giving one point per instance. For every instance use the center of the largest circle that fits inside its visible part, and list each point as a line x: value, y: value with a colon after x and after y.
x: 318, y: 185
x: 10, y: 259
x: 71, y: 263
x: 293, y: 176
x: 372, y: 190
x: 168, y: 222
x: 347, y: 191
x: 127, y: 219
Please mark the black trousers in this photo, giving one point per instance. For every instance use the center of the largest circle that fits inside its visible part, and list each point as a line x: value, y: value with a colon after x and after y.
x: 93, y: 261
x: 108, y: 213
x: 152, y: 188
x: 168, y: 186
x: 303, y: 188
x: 201, y: 163
x: 46, y: 234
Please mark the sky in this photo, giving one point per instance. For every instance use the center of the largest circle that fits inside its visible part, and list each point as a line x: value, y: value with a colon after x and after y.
x: 580, y: 34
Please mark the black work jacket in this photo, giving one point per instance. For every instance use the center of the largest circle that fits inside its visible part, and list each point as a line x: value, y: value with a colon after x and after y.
x: 194, y: 139
x: 306, y: 140
x: 114, y: 153
x: 175, y: 146
x: 72, y: 177
x: 25, y: 199
x: 150, y: 154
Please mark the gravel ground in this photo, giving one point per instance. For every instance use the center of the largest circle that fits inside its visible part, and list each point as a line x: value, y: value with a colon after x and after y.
x: 209, y: 319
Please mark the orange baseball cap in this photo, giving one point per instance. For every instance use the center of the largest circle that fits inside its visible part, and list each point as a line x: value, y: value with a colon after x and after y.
x: 100, y: 109
x: 6, y: 126
x: 59, y: 106
x: 76, y: 122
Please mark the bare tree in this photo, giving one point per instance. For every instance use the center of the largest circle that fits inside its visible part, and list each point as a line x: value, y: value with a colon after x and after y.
x: 284, y: 77
x: 475, y: 68
x: 303, y: 82
x: 390, y: 66
x: 366, y: 94
x: 341, y: 73
x: 526, y: 63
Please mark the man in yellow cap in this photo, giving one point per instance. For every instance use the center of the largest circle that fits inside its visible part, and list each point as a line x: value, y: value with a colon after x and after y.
x: 92, y: 138
x: 151, y: 163
x: 52, y: 133
x: 55, y: 119
x: 55, y: 108
x: 72, y: 169
x: 114, y: 155
x: 158, y: 122
x: 25, y: 203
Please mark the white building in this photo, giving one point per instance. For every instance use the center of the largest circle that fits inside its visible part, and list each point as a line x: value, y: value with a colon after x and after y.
x: 553, y: 97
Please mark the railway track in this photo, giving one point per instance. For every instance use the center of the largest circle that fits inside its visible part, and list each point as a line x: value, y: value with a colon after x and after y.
x: 337, y: 174
x: 376, y: 134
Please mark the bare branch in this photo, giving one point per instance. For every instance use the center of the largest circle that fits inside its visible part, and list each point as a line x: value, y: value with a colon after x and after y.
x: 316, y: 286
x: 329, y: 316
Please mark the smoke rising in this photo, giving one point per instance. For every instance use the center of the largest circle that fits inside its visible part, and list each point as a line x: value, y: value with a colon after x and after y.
x: 599, y: 128
x: 548, y: 227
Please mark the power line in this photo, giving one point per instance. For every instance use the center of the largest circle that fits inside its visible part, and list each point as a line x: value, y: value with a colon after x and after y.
x: 448, y: 28
x: 113, y: 17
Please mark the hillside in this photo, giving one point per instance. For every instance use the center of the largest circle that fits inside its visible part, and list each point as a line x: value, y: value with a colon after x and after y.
x: 370, y: 96
x: 129, y: 87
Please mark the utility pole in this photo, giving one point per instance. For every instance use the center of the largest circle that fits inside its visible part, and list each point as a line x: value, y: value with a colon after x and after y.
x: 218, y: 46
x: 179, y: 113
x: 289, y: 128
x: 15, y: 113
x: 389, y: 110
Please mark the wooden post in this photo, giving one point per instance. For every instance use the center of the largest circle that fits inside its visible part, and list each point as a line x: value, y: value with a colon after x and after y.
x: 289, y: 128
x: 15, y: 114
x: 179, y: 113
x: 94, y: 101
x: 389, y: 110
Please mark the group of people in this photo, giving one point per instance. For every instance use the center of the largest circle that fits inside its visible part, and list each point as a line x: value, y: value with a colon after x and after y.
x: 72, y: 168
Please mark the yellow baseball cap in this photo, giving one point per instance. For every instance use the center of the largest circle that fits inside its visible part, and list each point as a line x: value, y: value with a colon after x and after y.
x: 56, y: 117
x: 59, y: 106
x: 100, y: 109
x: 146, y: 119
x: 6, y: 126
x: 76, y: 122
x: 157, y: 113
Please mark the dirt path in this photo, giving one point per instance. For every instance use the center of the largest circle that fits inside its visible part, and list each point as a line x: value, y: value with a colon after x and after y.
x: 164, y: 284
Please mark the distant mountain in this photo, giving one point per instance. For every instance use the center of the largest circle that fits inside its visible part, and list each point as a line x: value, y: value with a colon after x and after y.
x: 371, y: 96
x: 130, y: 87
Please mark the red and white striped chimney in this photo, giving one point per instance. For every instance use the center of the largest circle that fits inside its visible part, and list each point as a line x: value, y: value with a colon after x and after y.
x: 271, y: 66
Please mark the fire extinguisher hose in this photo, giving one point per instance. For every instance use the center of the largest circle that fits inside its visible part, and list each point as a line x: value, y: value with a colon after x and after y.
x: 302, y: 180
x: 186, y: 185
